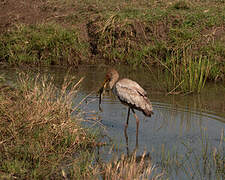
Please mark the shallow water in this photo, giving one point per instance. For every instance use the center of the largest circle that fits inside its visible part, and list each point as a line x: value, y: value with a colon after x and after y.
x: 178, y: 123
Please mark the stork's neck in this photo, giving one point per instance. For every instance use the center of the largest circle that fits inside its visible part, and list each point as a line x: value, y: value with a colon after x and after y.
x: 113, y: 80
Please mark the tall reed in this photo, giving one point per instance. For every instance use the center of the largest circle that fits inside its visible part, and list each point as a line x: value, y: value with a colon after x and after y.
x: 187, y: 73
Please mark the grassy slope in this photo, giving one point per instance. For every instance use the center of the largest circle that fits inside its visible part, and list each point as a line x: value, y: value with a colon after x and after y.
x: 132, y: 32
x: 154, y: 28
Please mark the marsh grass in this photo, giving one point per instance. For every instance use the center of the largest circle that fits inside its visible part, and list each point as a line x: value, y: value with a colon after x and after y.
x: 42, y: 44
x: 38, y: 135
x: 186, y: 73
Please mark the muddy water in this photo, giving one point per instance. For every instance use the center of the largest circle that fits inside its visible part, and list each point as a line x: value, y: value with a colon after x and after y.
x: 178, y: 123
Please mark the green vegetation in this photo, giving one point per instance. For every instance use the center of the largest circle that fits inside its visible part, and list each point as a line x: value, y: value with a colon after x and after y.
x: 186, y: 74
x: 42, y: 44
x: 131, y: 32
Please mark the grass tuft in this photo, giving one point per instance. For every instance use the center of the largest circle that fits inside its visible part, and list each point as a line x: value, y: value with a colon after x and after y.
x: 186, y: 73
x: 131, y: 167
x: 181, y: 4
x: 38, y: 136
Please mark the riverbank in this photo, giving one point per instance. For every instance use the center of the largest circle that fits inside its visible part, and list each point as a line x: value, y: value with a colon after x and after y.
x: 179, y: 36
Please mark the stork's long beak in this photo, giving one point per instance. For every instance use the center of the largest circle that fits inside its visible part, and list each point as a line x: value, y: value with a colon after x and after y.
x: 100, y: 91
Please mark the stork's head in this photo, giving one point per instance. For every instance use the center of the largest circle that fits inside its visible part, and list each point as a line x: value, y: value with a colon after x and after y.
x: 111, y: 78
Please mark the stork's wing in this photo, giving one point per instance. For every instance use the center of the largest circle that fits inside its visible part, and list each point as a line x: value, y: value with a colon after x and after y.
x: 127, y: 83
x: 131, y: 92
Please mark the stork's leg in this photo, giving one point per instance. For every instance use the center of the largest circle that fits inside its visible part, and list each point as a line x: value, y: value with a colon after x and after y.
x: 126, y: 137
x: 128, y: 115
x: 137, y: 127
x: 125, y: 129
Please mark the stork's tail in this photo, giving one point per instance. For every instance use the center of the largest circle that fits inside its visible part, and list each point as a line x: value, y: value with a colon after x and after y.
x: 147, y: 112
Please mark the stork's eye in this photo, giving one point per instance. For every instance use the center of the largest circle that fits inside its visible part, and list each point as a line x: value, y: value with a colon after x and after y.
x: 108, y: 76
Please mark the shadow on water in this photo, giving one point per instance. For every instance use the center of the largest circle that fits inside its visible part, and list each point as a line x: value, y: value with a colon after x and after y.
x: 178, y: 121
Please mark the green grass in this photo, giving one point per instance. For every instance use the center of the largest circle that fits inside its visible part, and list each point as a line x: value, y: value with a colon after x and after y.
x: 134, y: 27
x: 42, y: 45
x: 185, y: 73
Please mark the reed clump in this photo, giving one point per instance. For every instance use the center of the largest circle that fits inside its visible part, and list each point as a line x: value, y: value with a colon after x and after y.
x: 186, y: 73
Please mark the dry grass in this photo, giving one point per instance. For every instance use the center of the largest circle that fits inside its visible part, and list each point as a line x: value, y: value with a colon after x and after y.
x: 37, y: 134
x: 131, y: 167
